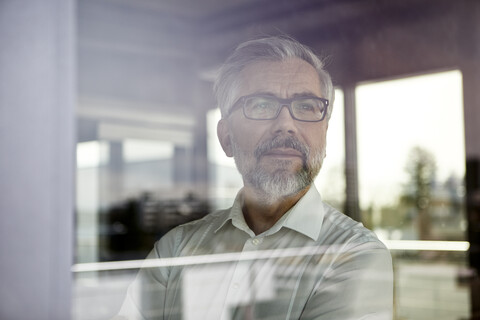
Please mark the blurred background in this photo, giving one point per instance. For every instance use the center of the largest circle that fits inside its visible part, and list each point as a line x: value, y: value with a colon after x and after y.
x: 117, y: 96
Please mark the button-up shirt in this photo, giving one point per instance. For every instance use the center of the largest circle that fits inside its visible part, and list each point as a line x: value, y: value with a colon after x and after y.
x: 314, y: 263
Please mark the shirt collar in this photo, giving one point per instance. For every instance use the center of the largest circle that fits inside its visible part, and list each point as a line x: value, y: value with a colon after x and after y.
x: 236, y: 216
x: 306, y: 216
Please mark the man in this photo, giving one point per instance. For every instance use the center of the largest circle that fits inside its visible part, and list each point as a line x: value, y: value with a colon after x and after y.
x: 279, y: 252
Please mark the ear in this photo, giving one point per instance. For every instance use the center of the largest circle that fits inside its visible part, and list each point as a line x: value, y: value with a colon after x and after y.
x: 223, y: 134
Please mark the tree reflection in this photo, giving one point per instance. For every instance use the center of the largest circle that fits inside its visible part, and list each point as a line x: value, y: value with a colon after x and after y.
x: 427, y: 208
x: 421, y: 169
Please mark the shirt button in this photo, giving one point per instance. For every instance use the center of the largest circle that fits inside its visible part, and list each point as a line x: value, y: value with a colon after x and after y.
x: 235, y: 286
x: 255, y: 241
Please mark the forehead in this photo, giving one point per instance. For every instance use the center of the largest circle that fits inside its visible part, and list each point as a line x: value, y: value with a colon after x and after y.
x: 281, y: 78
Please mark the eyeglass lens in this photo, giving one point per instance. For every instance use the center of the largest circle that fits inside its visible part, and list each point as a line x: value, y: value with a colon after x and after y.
x: 263, y: 108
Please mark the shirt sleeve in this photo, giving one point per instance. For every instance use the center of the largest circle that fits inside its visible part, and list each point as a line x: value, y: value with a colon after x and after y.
x: 145, y: 297
x: 359, y: 285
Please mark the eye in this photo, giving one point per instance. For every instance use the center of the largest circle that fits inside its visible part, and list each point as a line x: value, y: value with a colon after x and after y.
x: 260, y: 104
x: 306, y: 106
x: 260, y: 108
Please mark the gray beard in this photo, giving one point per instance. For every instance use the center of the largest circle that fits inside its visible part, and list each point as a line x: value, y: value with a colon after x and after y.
x: 279, y: 183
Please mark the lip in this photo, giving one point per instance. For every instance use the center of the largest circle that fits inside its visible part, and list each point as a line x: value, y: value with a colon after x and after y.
x: 284, y: 153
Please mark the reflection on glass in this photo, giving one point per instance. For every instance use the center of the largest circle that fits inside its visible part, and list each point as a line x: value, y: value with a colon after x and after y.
x: 129, y: 194
x: 127, y: 198
x: 135, y: 150
x: 411, y: 157
x: 91, y: 155
x: 411, y: 168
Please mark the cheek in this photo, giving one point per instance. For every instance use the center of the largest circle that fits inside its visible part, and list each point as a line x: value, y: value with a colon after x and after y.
x: 247, y: 137
x: 242, y: 143
x: 317, y: 138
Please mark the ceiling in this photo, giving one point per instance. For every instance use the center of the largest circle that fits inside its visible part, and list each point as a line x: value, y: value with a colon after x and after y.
x: 159, y: 51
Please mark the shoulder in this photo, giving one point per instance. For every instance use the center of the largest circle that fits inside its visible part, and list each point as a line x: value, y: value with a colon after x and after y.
x: 340, y: 229
x: 211, y: 221
x: 191, y: 232
x: 356, y: 247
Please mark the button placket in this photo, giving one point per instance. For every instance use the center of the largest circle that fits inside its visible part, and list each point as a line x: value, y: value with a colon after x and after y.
x: 241, y: 269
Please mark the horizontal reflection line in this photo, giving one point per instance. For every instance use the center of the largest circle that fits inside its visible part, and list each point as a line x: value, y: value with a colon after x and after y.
x: 423, y: 245
x: 200, y: 259
x: 397, y: 245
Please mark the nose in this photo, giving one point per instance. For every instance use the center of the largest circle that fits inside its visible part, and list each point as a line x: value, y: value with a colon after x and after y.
x: 284, y: 123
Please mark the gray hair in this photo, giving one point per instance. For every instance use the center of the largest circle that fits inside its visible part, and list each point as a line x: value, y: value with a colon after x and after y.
x: 277, y: 48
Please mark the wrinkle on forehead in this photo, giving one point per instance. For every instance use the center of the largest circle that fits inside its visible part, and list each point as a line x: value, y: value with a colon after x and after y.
x: 280, y: 78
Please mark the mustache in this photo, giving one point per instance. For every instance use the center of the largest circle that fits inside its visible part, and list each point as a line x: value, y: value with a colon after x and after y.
x: 281, y: 142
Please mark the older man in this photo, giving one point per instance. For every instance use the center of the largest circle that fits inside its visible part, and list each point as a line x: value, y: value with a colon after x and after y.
x: 279, y: 252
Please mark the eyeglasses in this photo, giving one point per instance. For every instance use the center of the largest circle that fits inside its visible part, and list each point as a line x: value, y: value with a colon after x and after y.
x: 267, y: 107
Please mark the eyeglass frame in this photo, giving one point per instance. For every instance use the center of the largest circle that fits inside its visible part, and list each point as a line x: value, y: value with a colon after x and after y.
x: 283, y: 103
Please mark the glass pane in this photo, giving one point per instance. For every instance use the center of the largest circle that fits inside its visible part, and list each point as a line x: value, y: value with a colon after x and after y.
x: 411, y: 156
x: 131, y: 179
x: 411, y: 164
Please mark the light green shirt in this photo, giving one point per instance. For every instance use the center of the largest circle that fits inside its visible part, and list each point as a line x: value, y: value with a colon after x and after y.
x: 314, y: 263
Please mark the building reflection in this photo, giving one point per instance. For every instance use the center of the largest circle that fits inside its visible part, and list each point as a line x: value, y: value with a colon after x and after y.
x: 132, y: 226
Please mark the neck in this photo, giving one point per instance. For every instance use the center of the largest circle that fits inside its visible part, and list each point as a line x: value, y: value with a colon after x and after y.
x: 262, y: 211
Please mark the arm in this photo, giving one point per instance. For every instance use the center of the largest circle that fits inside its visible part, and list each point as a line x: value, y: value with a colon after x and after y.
x: 146, y: 294
x: 359, y: 285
